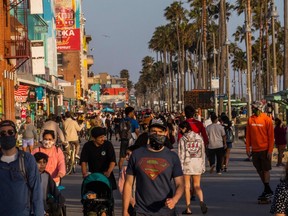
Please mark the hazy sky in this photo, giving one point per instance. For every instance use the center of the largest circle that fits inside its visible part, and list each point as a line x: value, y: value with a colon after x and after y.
x: 121, y: 30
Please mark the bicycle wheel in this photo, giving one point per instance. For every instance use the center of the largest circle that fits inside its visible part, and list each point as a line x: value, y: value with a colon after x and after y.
x: 73, y: 159
x: 68, y: 163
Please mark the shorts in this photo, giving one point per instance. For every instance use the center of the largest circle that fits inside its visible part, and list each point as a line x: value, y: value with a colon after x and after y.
x: 229, y: 145
x: 124, y: 144
x: 260, y: 161
x: 27, y: 142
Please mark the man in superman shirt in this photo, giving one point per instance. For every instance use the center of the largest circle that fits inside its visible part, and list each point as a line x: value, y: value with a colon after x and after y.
x: 154, y: 167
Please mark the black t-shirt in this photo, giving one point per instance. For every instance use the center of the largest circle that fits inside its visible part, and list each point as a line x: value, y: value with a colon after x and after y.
x: 117, y: 122
x: 98, y: 158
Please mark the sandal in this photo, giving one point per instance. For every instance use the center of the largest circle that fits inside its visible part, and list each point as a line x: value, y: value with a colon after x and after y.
x: 203, y: 207
x: 185, y: 212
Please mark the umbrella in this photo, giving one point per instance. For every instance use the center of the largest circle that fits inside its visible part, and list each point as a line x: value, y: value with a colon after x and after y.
x: 107, y: 109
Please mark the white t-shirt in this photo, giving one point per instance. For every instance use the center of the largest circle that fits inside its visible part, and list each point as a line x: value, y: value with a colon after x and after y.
x: 9, y: 159
x: 215, y: 134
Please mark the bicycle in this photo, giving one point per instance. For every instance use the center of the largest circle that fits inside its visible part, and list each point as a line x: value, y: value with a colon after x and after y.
x: 70, y: 158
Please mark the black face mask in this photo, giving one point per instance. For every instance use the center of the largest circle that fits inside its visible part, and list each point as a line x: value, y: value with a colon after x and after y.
x: 7, y: 142
x: 157, y: 141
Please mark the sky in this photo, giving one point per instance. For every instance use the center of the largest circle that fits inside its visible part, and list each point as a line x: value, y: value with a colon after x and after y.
x: 121, y: 30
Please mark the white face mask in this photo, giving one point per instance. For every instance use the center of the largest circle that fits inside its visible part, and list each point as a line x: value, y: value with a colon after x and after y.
x: 48, y: 143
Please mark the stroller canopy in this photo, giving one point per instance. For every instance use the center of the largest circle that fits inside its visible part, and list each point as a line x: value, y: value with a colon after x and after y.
x: 94, y: 178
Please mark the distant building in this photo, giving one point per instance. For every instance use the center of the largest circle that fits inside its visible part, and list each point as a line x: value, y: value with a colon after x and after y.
x: 107, y: 91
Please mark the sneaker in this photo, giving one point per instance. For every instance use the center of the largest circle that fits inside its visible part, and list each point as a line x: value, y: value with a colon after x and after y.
x: 219, y: 173
x: 266, y: 195
x: 212, y: 168
x: 77, y: 156
x: 203, y: 207
x: 280, y: 164
x: 269, y: 195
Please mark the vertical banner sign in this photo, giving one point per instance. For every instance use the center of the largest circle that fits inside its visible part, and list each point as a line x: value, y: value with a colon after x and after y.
x: 78, y: 89
x: 37, y: 55
x: 67, y: 25
x: 36, y: 7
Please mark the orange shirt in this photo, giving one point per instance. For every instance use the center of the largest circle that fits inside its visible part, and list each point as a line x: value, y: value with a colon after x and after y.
x: 260, y: 133
x: 56, y: 162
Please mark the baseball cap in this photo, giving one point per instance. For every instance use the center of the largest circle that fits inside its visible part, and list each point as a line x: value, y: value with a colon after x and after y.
x: 258, y: 105
x: 8, y: 123
x: 158, y: 122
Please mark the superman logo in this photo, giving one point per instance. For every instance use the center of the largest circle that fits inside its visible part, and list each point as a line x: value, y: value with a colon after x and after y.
x: 152, y: 167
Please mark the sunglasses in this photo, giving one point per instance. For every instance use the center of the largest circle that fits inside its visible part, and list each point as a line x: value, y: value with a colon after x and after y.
x: 7, y: 133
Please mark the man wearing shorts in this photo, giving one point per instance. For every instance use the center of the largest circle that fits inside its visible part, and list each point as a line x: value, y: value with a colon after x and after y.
x: 260, y: 139
x: 29, y: 134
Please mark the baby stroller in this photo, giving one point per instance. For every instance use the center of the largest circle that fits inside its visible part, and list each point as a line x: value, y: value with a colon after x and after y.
x: 97, y: 196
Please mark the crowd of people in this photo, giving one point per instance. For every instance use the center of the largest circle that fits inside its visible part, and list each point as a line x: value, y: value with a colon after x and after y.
x: 155, y: 148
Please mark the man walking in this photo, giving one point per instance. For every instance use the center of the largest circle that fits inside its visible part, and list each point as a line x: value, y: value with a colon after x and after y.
x: 51, y: 124
x: 217, y: 144
x: 29, y: 132
x: 99, y: 156
x: 129, y: 129
x: 154, y: 166
x: 20, y: 184
x: 260, y: 139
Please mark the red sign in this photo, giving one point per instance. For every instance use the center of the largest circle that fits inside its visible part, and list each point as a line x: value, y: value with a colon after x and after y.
x: 68, y: 39
x: 64, y: 18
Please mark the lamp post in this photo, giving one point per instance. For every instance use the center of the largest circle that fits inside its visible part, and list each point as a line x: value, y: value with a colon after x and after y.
x: 274, y: 15
x: 227, y: 43
x: 215, y: 73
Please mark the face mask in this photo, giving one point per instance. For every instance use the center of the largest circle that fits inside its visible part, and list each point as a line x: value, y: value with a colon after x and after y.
x: 157, y: 141
x: 7, y: 142
x: 48, y: 144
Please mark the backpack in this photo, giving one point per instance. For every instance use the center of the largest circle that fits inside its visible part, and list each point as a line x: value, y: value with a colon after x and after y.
x: 229, y: 135
x: 125, y: 130
x: 194, y: 146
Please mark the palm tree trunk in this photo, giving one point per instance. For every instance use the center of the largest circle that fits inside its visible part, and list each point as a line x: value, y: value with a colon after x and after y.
x: 268, y: 91
x: 286, y: 45
x: 249, y: 55
x: 204, y: 43
x: 222, y: 38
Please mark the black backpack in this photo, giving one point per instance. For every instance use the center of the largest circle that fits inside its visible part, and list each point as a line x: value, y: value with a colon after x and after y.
x: 125, y: 130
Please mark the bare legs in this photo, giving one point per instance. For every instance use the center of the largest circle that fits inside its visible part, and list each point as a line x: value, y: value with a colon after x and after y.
x: 197, y: 189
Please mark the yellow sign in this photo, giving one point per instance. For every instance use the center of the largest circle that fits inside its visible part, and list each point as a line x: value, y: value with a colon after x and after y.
x: 78, y: 89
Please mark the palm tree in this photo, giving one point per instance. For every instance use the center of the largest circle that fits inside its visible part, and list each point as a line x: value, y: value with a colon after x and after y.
x: 176, y: 14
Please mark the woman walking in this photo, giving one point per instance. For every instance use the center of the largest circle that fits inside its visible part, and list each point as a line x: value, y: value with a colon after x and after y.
x: 191, y: 152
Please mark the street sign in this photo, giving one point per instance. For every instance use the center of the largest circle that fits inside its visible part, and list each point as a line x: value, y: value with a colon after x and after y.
x: 215, y: 83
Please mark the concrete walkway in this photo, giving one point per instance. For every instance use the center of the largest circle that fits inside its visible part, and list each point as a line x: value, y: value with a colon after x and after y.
x: 233, y: 193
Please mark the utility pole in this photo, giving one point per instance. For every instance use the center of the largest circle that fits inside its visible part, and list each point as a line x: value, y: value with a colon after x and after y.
x: 275, y: 88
